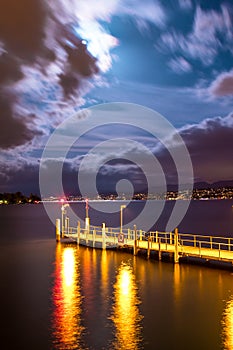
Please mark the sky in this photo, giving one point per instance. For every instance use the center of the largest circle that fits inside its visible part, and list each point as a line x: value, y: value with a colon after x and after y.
x: 59, y: 57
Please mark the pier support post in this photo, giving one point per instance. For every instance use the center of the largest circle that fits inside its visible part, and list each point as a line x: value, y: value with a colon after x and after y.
x: 176, y: 253
x: 135, y: 248
x: 148, y: 248
x: 78, y: 233
x: 58, y: 230
x: 160, y: 253
x: 103, y: 236
x: 94, y: 235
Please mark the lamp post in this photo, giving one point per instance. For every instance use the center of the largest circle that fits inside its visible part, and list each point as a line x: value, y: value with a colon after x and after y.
x: 63, y: 212
x: 121, y: 216
x: 87, y: 219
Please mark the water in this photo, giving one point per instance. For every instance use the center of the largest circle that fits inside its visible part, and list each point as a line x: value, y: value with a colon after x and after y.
x: 69, y: 297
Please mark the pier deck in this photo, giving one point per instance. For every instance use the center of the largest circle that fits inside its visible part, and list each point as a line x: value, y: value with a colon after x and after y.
x: 173, y: 243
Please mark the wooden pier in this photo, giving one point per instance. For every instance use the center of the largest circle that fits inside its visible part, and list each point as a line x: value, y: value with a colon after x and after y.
x: 174, y: 243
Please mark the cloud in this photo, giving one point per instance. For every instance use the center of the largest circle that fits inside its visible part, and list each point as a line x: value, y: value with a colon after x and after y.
x: 152, y: 12
x: 191, y: 104
x: 19, y: 174
x: 21, y: 28
x: 179, y: 65
x: 99, y: 42
x: 211, y: 31
x: 49, y: 51
x: 222, y: 85
x: 14, y: 130
x: 210, y: 144
x: 40, y: 55
x: 185, y: 4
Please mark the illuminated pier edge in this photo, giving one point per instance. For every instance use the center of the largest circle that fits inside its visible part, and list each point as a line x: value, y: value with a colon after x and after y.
x: 209, y: 248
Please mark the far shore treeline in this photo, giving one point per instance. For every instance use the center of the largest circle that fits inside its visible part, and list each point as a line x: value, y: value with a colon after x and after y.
x: 18, y: 198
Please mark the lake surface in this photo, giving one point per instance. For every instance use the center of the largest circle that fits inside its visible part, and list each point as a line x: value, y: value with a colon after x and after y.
x: 67, y: 297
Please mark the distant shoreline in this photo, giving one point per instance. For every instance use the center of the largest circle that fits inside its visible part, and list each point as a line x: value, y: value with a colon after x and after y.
x: 206, y: 194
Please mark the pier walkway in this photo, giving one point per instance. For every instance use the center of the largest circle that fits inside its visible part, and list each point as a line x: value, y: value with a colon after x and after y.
x: 172, y: 243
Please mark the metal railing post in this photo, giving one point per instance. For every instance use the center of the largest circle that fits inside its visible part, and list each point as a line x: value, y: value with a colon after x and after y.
x: 176, y: 252
x: 103, y: 236
x: 66, y: 225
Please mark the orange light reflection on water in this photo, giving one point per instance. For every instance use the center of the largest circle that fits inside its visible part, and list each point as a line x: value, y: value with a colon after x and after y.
x: 67, y: 300
x: 104, y: 275
x: 126, y: 316
x: 227, y: 324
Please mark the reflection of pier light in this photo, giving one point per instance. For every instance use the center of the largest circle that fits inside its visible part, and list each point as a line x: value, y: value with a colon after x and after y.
x: 67, y: 300
x: 177, y: 285
x: 104, y: 274
x: 227, y: 324
x: 126, y: 316
x: 68, y: 269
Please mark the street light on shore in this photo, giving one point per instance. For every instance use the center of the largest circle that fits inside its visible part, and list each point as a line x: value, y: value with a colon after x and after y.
x: 121, y: 216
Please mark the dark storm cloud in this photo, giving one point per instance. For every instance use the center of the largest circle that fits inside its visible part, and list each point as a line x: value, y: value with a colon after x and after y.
x: 20, y: 174
x: 210, y: 144
x: 80, y: 64
x: 9, y: 69
x: 81, y: 61
x: 15, y: 128
x: 33, y: 45
x: 69, y: 83
x: 22, y: 26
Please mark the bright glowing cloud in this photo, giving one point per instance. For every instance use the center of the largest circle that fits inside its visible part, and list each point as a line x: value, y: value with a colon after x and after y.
x: 99, y: 43
x: 222, y: 85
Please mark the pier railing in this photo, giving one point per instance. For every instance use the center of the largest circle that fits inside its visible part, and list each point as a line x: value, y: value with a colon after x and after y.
x: 192, y: 240
x: 179, y: 244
